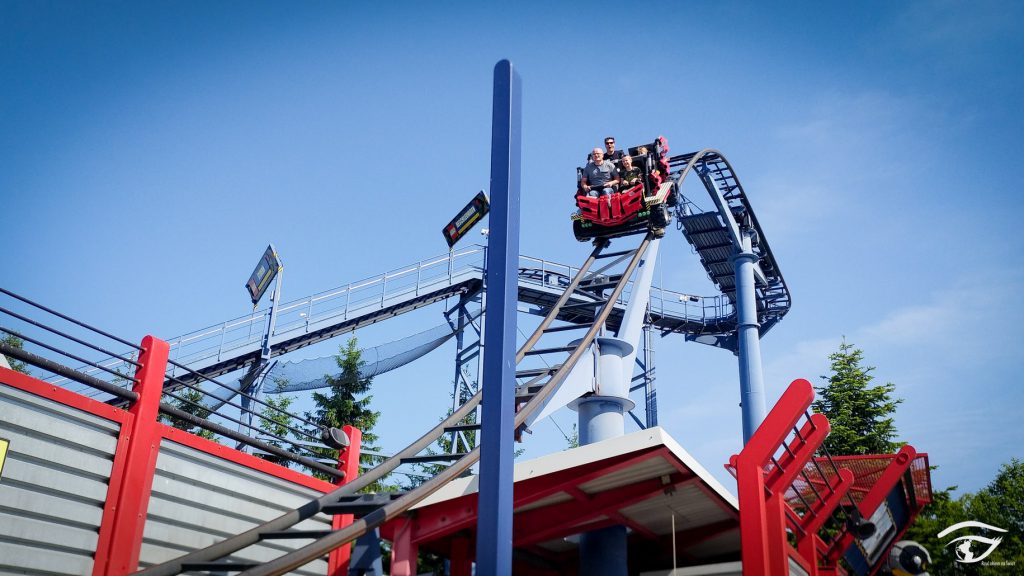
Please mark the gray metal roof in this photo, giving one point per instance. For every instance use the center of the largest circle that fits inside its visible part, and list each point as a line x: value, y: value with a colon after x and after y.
x: 706, y: 514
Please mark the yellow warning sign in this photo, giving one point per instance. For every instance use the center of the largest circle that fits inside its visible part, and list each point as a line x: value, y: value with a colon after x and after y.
x: 3, y: 453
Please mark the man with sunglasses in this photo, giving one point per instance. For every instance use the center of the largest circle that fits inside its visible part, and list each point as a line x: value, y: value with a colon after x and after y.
x: 610, y: 153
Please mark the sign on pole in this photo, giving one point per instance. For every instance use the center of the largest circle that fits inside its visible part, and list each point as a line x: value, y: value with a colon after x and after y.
x: 467, y: 217
x: 268, y: 267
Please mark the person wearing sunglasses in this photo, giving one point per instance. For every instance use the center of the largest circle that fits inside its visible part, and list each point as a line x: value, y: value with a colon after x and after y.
x: 610, y: 153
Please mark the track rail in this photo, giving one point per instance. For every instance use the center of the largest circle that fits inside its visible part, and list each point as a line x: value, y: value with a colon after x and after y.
x: 774, y: 300
x: 325, y: 544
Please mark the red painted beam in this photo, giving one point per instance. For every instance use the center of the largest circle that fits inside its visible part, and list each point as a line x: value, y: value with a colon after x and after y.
x: 754, y: 519
x: 444, y: 518
x: 636, y: 527
x: 124, y: 539
x: 874, y: 498
x: 778, y: 424
x: 789, y: 466
x: 461, y: 556
x: 830, y: 499
x: 763, y: 522
x: 540, y: 488
x: 348, y: 463
x: 403, y: 550
x: 564, y: 518
x: 439, y: 520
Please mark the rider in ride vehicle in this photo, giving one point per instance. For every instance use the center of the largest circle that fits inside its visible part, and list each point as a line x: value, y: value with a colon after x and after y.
x: 600, y: 177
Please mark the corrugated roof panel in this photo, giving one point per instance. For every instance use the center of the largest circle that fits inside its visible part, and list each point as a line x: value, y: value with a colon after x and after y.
x: 556, y: 498
x: 653, y: 468
x: 691, y: 507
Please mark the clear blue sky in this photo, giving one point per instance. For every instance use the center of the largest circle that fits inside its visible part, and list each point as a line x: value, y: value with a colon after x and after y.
x: 149, y: 152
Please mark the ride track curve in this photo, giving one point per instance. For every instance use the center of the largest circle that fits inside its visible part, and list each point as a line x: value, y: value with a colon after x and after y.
x: 205, y: 559
x: 723, y: 186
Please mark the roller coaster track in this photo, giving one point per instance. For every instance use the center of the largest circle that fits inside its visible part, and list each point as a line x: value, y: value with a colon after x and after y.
x: 709, y: 233
x: 214, y: 558
x: 236, y: 343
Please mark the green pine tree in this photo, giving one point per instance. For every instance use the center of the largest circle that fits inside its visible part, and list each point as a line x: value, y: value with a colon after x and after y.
x: 15, y: 342
x: 861, y: 415
x: 190, y: 401
x: 275, y: 421
x: 347, y: 402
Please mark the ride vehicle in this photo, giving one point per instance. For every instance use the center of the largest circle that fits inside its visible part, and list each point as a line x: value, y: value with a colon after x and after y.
x: 637, y: 208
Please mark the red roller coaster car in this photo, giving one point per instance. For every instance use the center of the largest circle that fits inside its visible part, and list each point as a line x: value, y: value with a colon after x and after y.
x: 632, y: 210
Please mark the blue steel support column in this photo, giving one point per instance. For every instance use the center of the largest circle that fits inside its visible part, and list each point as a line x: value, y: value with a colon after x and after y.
x: 650, y: 396
x: 603, y: 552
x: 752, y: 400
x: 465, y: 384
x: 494, y: 523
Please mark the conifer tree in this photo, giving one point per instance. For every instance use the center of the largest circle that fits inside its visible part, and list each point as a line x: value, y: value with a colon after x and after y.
x: 861, y: 415
x: 15, y: 342
x: 275, y: 421
x: 190, y: 401
x: 347, y: 402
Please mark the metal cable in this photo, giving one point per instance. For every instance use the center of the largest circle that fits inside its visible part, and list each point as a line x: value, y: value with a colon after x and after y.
x: 228, y: 433
x: 235, y: 390
x: 811, y: 485
x: 236, y: 421
x: 70, y: 319
x: 68, y: 354
x: 60, y: 369
x: 69, y: 337
x: 239, y: 406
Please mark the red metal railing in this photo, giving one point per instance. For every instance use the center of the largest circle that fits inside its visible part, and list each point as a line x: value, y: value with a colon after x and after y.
x: 787, y: 493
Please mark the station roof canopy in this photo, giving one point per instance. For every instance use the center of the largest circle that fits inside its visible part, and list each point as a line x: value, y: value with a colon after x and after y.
x: 644, y: 481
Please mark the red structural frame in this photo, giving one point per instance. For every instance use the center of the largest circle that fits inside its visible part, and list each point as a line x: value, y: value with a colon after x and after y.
x: 766, y: 476
x: 121, y: 539
x: 456, y: 519
x: 134, y: 461
x: 765, y: 479
x: 348, y: 463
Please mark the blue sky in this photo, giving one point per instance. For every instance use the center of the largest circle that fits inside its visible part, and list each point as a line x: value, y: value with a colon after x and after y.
x: 149, y: 152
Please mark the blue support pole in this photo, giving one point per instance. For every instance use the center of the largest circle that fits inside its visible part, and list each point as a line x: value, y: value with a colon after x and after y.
x: 494, y: 522
x: 748, y: 338
x: 601, y: 417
